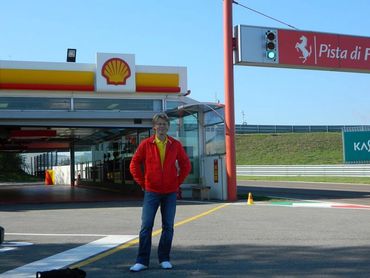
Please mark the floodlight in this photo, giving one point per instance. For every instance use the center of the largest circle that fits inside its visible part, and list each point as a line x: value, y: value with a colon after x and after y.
x: 71, y: 55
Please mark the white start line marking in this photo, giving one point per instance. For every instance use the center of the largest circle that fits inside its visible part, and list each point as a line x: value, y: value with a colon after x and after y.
x: 64, y: 235
x: 10, y: 245
x: 68, y: 257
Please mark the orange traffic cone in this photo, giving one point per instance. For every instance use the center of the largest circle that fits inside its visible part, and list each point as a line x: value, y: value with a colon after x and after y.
x: 250, y: 199
x: 48, y: 178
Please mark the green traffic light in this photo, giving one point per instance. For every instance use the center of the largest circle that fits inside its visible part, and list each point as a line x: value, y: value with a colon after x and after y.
x: 271, y: 54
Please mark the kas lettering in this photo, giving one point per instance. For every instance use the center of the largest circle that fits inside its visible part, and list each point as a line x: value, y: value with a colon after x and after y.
x: 357, y: 146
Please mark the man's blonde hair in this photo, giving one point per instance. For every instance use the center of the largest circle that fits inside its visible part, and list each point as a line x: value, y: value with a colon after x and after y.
x: 162, y: 116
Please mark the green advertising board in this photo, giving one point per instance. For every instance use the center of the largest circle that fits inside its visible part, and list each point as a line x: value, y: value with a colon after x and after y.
x: 356, y: 146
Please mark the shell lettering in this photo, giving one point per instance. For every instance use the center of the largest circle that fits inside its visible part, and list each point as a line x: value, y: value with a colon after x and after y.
x: 116, y: 71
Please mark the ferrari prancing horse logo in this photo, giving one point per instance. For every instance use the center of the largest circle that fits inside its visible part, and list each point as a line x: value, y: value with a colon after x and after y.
x: 302, y: 47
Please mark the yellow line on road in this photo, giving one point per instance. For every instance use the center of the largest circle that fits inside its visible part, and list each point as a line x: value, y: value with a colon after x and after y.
x: 135, y: 241
x: 199, y: 215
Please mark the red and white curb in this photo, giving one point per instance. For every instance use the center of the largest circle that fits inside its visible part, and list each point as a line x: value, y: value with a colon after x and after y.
x: 308, y: 204
x: 329, y: 205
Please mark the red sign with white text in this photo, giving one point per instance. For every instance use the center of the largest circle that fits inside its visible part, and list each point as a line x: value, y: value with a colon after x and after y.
x: 304, y: 49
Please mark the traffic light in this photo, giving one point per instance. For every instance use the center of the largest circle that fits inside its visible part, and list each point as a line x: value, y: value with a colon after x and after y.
x: 271, y: 47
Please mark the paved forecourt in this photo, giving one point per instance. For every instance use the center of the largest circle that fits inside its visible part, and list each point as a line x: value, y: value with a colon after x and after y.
x: 211, y: 240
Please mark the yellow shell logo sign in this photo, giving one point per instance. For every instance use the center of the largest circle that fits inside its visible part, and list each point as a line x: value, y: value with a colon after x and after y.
x: 116, y: 71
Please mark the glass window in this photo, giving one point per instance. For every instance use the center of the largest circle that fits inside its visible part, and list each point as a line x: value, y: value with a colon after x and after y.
x: 129, y: 144
x: 186, y: 130
x: 157, y: 105
x: 215, y: 139
x: 143, y: 135
x: 214, y: 117
x: 170, y: 104
x: 34, y: 103
x: 117, y: 104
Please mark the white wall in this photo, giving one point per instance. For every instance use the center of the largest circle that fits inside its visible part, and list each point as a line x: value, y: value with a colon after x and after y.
x: 62, y: 174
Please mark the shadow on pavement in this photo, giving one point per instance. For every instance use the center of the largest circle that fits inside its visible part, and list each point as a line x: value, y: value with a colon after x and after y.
x: 244, y: 261
x: 15, y: 194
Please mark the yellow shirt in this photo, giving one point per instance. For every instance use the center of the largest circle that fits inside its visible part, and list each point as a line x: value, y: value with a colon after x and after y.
x: 161, y: 145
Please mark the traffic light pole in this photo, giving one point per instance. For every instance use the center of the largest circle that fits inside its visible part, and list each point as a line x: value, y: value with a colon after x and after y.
x: 229, y: 101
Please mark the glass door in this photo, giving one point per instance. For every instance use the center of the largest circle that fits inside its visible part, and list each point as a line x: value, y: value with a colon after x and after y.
x: 186, y: 129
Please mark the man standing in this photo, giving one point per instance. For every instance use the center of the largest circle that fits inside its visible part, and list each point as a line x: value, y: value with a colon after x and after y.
x: 160, y: 180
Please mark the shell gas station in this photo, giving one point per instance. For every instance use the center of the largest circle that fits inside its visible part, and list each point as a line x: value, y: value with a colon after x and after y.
x: 93, y: 116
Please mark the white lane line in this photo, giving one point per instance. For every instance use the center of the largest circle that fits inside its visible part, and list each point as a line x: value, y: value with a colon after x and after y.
x: 10, y: 245
x: 5, y: 249
x: 68, y: 257
x: 16, y: 243
x: 74, y: 235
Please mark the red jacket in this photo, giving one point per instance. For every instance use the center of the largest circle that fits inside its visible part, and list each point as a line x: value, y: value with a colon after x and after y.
x: 166, y: 179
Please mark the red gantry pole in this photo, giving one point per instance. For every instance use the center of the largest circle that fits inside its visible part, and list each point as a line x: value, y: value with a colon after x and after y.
x: 229, y: 101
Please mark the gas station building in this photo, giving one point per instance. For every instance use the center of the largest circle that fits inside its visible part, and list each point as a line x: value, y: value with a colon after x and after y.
x: 105, y: 110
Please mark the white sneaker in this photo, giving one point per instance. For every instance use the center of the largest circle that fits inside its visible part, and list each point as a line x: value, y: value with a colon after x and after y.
x: 138, y: 267
x: 166, y: 265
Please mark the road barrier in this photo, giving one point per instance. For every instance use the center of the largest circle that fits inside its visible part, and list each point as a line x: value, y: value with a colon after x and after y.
x: 338, y: 170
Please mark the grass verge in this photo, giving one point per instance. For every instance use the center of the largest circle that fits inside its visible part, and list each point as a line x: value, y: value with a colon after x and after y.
x: 289, y: 148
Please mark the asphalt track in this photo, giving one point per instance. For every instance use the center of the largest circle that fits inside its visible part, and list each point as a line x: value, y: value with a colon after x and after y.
x: 212, y: 239
x: 333, y: 192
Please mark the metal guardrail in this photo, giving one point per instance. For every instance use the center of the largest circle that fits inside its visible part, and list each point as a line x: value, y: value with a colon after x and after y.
x: 341, y: 170
x: 244, y: 129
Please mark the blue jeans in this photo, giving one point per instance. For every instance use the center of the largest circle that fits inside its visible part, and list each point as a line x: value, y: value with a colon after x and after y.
x: 152, y: 201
